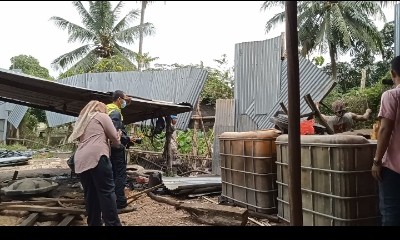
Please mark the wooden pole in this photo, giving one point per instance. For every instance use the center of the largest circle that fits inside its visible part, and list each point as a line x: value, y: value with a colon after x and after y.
x: 295, y: 199
x: 167, y: 147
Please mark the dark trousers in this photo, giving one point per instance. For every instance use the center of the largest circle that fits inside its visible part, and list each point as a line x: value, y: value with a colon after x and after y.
x: 389, y: 197
x: 98, y: 186
x: 118, y: 161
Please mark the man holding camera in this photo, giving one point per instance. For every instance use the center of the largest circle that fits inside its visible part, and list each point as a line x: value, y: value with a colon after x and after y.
x: 118, y: 155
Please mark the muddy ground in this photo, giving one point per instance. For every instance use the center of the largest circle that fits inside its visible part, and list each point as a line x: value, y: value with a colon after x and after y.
x: 148, y: 213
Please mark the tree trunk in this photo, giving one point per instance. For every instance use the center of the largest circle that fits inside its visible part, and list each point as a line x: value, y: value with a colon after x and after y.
x: 363, y: 78
x: 140, y: 53
x: 333, y: 61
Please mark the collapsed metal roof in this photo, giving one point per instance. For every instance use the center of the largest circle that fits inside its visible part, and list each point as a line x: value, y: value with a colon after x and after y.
x: 66, y: 99
x: 261, y: 83
x: 177, y: 85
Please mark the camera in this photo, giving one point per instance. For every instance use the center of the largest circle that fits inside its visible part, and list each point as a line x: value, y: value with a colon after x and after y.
x: 387, y: 82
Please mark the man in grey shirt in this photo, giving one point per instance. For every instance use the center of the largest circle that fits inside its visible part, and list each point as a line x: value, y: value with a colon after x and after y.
x: 343, y: 121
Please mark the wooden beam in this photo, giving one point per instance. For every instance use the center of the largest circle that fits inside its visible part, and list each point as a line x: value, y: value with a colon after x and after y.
x: 219, y: 215
x: 43, y: 209
x: 197, y: 117
x: 30, y: 220
x: 317, y: 113
x: 67, y: 220
x: 284, y: 108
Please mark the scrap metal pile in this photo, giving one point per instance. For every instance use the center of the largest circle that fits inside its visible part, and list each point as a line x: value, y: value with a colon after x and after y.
x: 11, y: 158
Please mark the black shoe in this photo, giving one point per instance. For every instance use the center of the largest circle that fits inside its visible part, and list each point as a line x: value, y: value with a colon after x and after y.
x: 128, y: 208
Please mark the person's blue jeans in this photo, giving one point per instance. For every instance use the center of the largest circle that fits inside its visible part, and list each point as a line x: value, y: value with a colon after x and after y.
x: 389, y: 197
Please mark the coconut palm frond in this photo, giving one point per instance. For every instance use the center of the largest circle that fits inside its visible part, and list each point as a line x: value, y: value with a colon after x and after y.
x: 125, y: 21
x: 129, y: 35
x: 68, y: 58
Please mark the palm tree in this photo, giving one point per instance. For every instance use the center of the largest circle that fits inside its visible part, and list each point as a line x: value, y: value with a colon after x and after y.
x: 145, y: 59
x: 101, y: 33
x: 140, y: 53
x: 334, y: 26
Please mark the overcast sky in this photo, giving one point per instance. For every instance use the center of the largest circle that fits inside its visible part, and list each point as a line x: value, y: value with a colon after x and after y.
x: 186, y: 32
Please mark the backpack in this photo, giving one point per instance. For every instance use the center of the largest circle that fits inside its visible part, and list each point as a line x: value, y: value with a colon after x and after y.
x: 160, y: 126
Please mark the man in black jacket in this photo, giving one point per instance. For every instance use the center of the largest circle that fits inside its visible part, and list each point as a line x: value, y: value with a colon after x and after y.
x: 118, y: 156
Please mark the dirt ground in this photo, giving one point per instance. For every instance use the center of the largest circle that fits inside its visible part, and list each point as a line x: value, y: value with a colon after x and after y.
x: 148, y: 213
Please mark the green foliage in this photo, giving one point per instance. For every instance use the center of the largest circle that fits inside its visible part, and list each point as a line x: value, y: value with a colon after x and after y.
x: 30, y: 66
x: 13, y: 147
x: 216, y: 87
x: 71, y: 72
x: 184, y: 139
x: 347, y: 76
x: 219, y: 83
x: 357, y: 101
x: 101, y: 35
x: 145, y: 59
x: 113, y: 64
x: 319, y: 60
x: 28, y: 126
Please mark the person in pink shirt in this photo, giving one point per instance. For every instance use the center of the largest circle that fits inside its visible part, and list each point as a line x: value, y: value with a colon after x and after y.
x: 386, y: 164
x: 94, y: 129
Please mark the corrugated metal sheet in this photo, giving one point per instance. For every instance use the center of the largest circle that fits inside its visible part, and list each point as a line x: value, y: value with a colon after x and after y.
x: 313, y: 81
x: 17, y: 114
x: 175, y: 183
x: 178, y: 85
x: 261, y: 83
x: 259, y: 75
x: 224, y: 122
x: 397, y: 29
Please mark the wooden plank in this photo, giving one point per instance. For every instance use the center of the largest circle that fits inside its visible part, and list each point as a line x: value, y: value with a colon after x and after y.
x: 32, y: 208
x: 218, y: 215
x: 284, y: 108
x: 63, y: 200
x: 67, y: 220
x: 30, y: 220
x: 318, y: 115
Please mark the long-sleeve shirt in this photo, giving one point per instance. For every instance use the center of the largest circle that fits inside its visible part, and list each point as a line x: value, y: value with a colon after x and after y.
x: 94, y: 142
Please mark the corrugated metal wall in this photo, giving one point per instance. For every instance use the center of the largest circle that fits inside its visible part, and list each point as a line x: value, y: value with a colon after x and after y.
x: 224, y: 122
x: 261, y: 83
x: 313, y: 81
x: 178, y: 85
x: 397, y: 29
x: 257, y: 79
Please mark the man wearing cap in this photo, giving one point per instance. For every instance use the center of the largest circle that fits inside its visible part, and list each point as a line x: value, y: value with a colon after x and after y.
x: 343, y: 121
x: 118, y: 156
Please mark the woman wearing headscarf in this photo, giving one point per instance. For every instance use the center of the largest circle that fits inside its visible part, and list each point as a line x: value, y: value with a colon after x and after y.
x: 93, y: 129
